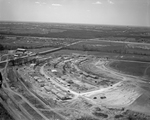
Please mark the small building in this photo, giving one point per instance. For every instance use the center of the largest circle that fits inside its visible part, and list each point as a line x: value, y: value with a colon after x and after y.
x: 48, y: 88
x: 36, y: 77
x: 54, y: 91
x: 21, y: 50
x: 61, y: 96
x: 16, y: 55
x: 40, y: 80
x: 42, y: 88
x: 54, y: 70
x: 32, y: 65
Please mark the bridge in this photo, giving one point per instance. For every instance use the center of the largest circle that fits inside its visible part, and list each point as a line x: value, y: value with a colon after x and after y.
x: 50, y: 51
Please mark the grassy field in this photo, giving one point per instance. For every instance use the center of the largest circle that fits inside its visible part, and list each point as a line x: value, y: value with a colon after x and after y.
x: 132, y: 68
x: 79, y: 31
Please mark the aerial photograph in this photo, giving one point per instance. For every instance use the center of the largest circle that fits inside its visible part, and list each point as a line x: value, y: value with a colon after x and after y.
x: 74, y: 59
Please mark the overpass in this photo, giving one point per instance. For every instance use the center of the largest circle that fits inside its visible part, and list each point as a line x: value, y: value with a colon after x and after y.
x: 56, y: 49
x: 49, y: 51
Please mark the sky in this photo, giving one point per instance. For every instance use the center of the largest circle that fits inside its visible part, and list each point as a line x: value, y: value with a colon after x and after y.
x: 107, y: 12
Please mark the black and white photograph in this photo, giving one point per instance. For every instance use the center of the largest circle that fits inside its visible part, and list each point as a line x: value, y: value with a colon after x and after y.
x: 74, y: 59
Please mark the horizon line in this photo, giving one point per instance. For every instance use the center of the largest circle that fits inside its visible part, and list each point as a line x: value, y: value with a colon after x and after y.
x: 74, y: 23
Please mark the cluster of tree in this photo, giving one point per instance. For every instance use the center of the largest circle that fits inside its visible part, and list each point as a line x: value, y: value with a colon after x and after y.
x: 10, y: 47
x: 79, y: 33
x: 120, y: 49
x: 110, y: 49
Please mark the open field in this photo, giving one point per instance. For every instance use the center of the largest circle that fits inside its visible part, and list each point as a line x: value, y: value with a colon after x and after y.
x: 53, y: 30
x: 132, y: 68
x: 121, y: 95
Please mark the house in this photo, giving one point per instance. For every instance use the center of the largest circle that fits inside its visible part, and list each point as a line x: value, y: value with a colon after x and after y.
x: 48, y: 88
x: 36, y: 77
x: 21, y: 50
x: 61, y: 96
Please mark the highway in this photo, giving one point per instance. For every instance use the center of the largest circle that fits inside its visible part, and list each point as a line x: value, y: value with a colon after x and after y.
x: 57, y: 49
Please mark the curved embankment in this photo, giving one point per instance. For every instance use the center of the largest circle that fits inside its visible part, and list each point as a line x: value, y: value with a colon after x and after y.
x: 126, y: 92
x: 97, y: 68
x: 121, y: 94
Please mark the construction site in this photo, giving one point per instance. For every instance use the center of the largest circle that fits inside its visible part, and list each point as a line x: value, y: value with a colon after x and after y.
x: 38, y: 86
